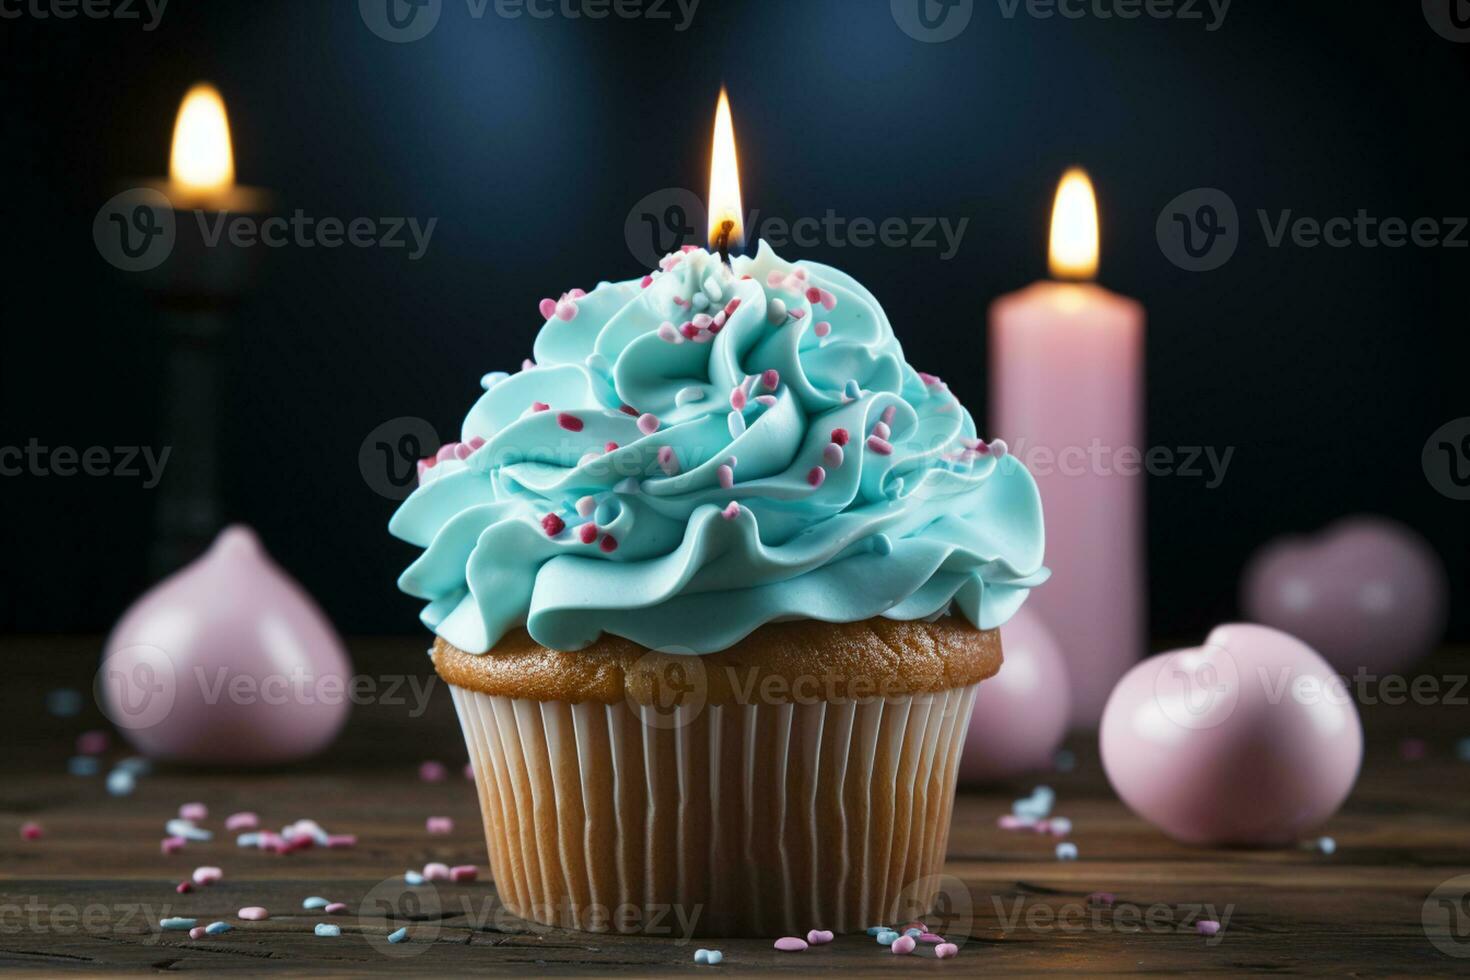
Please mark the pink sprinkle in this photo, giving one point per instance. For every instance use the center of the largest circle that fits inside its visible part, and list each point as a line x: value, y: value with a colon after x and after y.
x: 668, y: 461
x: 832, y: 455
x: 816, y: 476
x: 31, y: 831
x: 798, y: 314
x: 928, y: 379
x: 737, y: 398
x: 566, y: 312
x: 813, y: 295
x: 879, y: 446
x: 539, y: 407
x: 648, y: 424
x: 244, y: 820
x: 432, y: 772
x: 1011, y: 821
x: 446, y: 452
x: 435, y: 871
x: 667, y: 333
x: 528, y: 365
x: 647, y: 281
x: 477, y: 442
x: 253, y: 913
x: 767, y: 400
x: 197, y: 932
x: 439, y: 825
x: 771, y: 379
x: 882, y: 431
x: 689, y: 330
x: 731, y: 511
x: 552, y: 525
x: 945, y: 950
x: 930, y: 938
x: 680, y: 301
x: 630, y: 410
x: 819, y: 937
x: 840, y: 436
x: 183, y: 888
x: 727, y: 476
x: 587, y: 532
x: 193, y: 811
x: 335, y: 908
x: 609, y: 544
x: 569, y: 422
x: 548, y: 308
x: 464, y: 872
x: 172, y: 845
x: 889, y: 414
x: 775, y: 279
x: 1207, y: 927
x: 92, y: 743
x: 207, y: 875
x: 703, y: 321
x: 731, y: 307
x: 822, y: 329
x: 902, y: 946
x: 686, y: 249
x: 790, y: 944
x: 610, y: 447
x: 341, y: 840
x: 829, y: 302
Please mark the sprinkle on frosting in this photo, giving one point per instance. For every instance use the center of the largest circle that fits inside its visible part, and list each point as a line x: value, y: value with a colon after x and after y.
x: 667, y: 558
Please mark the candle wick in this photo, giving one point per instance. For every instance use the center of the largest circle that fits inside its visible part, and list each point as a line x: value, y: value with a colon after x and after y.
x: 722, y: 240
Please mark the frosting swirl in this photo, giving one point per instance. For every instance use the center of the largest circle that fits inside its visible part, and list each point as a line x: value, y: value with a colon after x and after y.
x: 703, y: 451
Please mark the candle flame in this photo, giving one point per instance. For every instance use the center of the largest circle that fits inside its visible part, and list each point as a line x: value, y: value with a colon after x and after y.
x: 724, y: 182
x: 202, y: 159
x: 1074, y: 228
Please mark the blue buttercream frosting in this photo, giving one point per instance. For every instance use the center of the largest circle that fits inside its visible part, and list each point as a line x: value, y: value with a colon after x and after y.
x: 706, y: 450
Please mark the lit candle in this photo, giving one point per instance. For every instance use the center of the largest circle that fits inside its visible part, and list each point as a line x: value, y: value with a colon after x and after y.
x: 726, y: 224
x: 1066, y: 387
x: 201, y: 163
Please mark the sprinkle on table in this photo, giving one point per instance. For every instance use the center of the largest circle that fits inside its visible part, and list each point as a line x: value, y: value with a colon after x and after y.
x: 790, y: 944
x: 31, y: 831
x: 902, y: 946
x: 244, y: 820
x: 946, y: 950
x: 432, y: 772
x: 253, y: 913
x: 315, y: 902
x: 398, y: 935
x: 193, y: 811
x: 439, y: 825
x: 327, y: 929
x: 819, y: 937
x: 1207, y: 927
x: 708, y: 957
x: 464, y: 873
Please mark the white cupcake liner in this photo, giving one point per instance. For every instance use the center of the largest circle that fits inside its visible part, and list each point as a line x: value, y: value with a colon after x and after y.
x: 729, y: 820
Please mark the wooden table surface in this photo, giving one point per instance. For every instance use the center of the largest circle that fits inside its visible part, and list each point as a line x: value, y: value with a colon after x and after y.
x: 87, y: 897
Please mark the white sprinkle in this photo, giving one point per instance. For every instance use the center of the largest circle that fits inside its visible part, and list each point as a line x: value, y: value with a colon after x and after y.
x: 776, y: 311
x: 737, y: 425
x: 1066, y: 852
x: 688, y: 395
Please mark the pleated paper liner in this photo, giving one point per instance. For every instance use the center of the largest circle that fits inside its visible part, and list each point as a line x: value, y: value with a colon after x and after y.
x: 725, y: 820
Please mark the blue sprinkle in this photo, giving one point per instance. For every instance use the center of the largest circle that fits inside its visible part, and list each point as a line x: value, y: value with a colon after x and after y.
x: 882, y: 545
x: 852, y: 390
x: 120, y: 782
x: 137, y: 765
x: 1326, y: 845
x: 708, y: 957
x: 215, y: 928
x: 1066, y: 852
x: 398, y: 935
x: 64, y: 702
x: 492, y: 379
x: 177, y: 924
x: 179, y: 827
x: 315, y: 902
x: 874, y: 930
x: 82, y: 765
x: 251, y: 839
x: 326, y: 929
x: 886, y: 937
x: 913, y: 933
x: 413, y: 878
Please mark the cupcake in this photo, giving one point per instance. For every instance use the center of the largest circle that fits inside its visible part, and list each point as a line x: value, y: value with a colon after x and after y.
x: 714, y: 580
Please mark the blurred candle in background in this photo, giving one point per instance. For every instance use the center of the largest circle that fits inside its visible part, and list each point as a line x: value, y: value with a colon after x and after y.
x: 1066, y: 389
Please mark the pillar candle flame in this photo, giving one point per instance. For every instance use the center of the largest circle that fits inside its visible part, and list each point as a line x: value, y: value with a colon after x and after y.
x: 1074, y: 233
x: 726, y: 227
x: 202, y: 158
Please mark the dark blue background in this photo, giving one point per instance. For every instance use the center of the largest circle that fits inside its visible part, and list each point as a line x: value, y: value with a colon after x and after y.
x: 530, y: 141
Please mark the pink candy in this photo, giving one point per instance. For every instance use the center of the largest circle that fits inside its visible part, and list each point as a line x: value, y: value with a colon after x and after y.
x: 253, y: 913
x: 439, y: 825
x: 726, y: 475
x: 569, y: 422
x: 648, y: 424
x: 207, y: 875
x: 816, y: 476
x: 183, y: 888
x: 819, y: 937
x: 335, y: 908
x: 771, y: 380
x: 197, y: 932
x: 193, y: 811
x: 31, y: 831
x: 902, y: 946
x: 731, y: 511
x: 92, y: 743
x: 880, y: 446
x: 945, y: 950
x: 432, y: 772
x: 435, y: 871
x: 171, y: 845
x: 930, y: 938
x: 244, y: 820
x: 464, y: 872
x: 790, y: 944
x: 1207, y: 927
